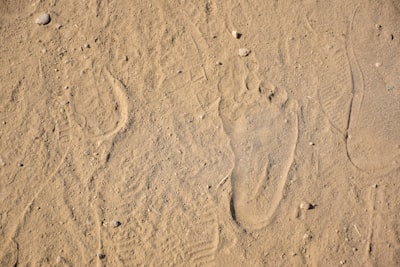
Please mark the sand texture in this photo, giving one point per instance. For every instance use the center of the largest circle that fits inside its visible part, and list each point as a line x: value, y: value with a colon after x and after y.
x: 199, y: 133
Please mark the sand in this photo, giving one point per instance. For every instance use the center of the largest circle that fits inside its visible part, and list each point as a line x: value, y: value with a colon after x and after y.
x: 132, y: 133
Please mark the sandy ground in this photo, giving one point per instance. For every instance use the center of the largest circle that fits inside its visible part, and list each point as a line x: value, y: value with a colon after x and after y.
x: 133, y: 134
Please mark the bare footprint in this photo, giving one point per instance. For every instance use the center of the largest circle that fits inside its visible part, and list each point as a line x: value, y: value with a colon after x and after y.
x: 373, y: 142
x: 262, y: 127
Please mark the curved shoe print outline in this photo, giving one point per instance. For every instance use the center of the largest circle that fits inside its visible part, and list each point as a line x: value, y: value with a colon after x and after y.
x: 357, y: 101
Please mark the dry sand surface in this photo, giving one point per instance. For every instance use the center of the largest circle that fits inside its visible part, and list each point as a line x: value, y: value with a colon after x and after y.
x: 146, y: 133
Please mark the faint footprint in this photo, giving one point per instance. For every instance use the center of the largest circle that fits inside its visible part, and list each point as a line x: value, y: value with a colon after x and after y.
x: 373, y: 142
x: 263, y: 129
x: 101, y: 106
x: 45, y: 145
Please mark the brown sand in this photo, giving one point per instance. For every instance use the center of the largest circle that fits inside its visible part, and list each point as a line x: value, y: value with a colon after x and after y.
x: 144, y: 115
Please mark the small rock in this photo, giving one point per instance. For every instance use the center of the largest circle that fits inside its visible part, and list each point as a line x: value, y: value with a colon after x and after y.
x: 101, y: 255
x: 43, y: 19
x: 59, y: 260
x: 115, y: 224
x: 244, y: 52
x: 311, y: 143
x: 2, y: 163
x: 87, y: 45
x: 236, y: 34
x: 305, y: 205
x: 218, y: 63
x: 307, y: 237
x: 58, y: 26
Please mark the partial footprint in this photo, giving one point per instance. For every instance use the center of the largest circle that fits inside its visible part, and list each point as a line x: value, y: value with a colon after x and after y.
x: 335, y: 88
x: 263, y: 128
x: 9, y: 253
x: 37, y: 144
x: 373, y: 142
x: 357, y: 90
x: 101, y: 105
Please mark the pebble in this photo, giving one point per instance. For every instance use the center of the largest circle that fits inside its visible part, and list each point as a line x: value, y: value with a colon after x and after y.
x: 115, y: 224
x: 244, y: 52
x: 101, y: 255
x: 236, y: 34
x: 218, y: 63
x: 59, y: 260
x: 43, y: 19
x: 307, y: 237
x: 305, y: 205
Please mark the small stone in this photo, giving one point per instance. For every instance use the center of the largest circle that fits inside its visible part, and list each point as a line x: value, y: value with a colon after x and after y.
x: 59, y: 259
x: 305, y: 205
x: 43, y: 19
x: 101, y: 255
x: 115, y: 224
x: 244, y: 52
x: 86, y: 45
x: 218, y: 63
x: 311, y: 143
x: 2, y: 163
x: 342, y: 262
x: 236, y: 34
x: 58, y: 26
x: 64, y: 102
x: 307, y: 237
